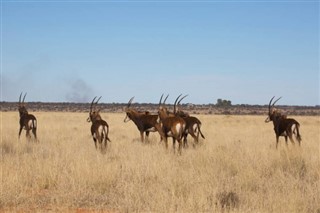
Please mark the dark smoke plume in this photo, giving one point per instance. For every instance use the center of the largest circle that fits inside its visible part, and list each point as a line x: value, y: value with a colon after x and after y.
x: 80, y: 92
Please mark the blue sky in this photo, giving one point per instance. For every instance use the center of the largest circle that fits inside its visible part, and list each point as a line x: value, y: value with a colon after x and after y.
x: 243, y: 51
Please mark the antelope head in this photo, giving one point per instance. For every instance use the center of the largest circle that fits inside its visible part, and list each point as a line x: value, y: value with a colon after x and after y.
x: 163, y: 111
x: 129, y: 111
x: 21, y: 106
x: 180, y: 112
x: 94, y: 114
x: 273, y: 112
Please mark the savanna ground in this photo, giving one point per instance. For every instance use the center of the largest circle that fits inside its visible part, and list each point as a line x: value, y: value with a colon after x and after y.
x: 236, y: 168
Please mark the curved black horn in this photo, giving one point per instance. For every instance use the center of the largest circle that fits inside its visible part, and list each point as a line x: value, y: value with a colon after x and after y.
x: 269, y: 106
x: 164, y: 102
x: 175, y: 103
x: 24, y: 98
x: 160, y: 99
x: 276, y: 101
x: 20, y: 98
x: 182, y: 99
x: 92, y: 104
x: 96, y: 103
x: 98, y: 100
x: 130, y: 101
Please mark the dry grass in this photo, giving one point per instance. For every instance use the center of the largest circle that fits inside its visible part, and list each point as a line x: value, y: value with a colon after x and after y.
x: 235, y: 169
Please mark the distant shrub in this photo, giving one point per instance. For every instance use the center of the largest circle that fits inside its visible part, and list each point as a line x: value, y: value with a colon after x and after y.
x: 223, y: 103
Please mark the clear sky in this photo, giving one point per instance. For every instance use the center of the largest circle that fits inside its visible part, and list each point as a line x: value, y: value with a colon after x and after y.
x: 243, y: 51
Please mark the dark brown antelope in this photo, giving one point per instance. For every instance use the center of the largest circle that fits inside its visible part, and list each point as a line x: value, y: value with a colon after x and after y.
x: 193, y: 124
x: 171, y: 125
x: 27, y: 121
x: 283, y: 126
x: 99, y: 127
x: 144, y: 121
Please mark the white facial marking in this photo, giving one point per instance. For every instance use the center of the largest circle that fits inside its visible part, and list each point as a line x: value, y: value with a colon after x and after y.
x: 126, y: 119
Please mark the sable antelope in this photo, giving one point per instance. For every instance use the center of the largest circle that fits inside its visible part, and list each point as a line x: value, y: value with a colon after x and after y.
x: 99, y: 127
x: 193, y: 124
x: 144, y: 121
x: 283, y: 126
x: 172, y: 125
x: 163, y: 109
x: 27, y: 121
x: 180, y: 112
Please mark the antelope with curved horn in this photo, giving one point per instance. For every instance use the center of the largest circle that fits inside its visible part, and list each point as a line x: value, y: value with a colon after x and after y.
x: 163, y: 110
x: 99, y: 127
x: 144, y: 121
x: 27, y: 121
x: 193, y: 125
x: 283, y: 126
x: 179, y: 111
x: 171, y: 124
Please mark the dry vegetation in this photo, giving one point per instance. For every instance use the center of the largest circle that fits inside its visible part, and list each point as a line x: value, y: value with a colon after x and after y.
x: 235, y: 169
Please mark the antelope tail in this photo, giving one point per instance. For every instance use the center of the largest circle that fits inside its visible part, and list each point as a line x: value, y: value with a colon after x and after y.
x: 106, y: 133
x: 199, y: 125
x: 201, y: 134
x: 34, y: 124
x: 298, y: 133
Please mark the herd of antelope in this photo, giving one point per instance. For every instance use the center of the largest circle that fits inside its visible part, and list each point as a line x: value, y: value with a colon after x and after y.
x: 177, y: 124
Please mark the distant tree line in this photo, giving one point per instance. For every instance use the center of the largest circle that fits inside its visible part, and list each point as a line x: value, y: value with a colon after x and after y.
x: 223, y: 103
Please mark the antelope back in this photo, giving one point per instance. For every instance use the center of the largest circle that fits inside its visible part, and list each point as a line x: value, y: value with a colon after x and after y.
x: 182, y: 114
x: 174, y: 124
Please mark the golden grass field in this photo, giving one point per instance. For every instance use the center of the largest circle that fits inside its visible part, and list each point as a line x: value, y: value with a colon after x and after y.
x: 236, y: 166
